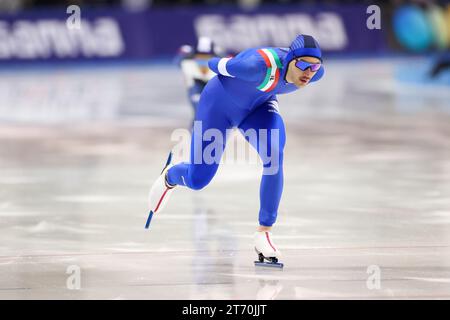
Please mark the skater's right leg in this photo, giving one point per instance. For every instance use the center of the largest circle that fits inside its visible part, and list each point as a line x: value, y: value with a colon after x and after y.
x: 269, y: 143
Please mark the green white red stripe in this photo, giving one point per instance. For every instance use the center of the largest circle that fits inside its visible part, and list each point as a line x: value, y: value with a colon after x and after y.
x: 274, y: 65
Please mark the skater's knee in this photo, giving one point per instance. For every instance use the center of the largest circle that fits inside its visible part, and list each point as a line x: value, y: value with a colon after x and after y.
x: 201, y: 176
x: 198, y: 182
x: 198, y: 185
x: 277, y: 147
x: 277, y: 152
x: 273, y: 163
x: 276, y: 139
x: 273, y: 155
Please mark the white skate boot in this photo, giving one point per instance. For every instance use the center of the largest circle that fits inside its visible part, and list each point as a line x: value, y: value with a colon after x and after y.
x: 160, y: 192
x: 266, y: 250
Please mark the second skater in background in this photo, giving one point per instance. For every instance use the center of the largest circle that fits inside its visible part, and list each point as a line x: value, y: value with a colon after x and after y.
x: 193, y: 61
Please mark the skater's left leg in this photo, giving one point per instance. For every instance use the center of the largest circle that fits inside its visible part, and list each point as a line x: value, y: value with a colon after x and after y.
x: 270, y: 142
x: 208, y: 141
x: 210, y: 124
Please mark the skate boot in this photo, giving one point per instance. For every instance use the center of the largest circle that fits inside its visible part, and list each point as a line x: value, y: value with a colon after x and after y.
x: 268, y: 253
x: 160, y: 192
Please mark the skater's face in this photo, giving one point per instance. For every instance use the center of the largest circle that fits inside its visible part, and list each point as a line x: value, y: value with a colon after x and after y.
x: 301, y: 77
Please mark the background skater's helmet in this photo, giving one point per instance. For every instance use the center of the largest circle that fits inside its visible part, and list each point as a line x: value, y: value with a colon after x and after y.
x: 204, y: 46
x: 305, y: 45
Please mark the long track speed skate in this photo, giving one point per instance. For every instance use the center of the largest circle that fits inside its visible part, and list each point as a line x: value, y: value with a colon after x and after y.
x: 160, y: 192
x: 267, y: 252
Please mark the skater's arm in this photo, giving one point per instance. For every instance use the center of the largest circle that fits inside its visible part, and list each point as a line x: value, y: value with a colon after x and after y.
x: 249, y: 68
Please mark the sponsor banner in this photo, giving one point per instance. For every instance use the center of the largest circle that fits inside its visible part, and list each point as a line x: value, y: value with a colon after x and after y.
x: 118, y: 34
x: 46, y: 36
x: 338, y: 29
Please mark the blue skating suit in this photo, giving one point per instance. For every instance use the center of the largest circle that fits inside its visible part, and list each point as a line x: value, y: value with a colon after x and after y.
x: 243, y: 95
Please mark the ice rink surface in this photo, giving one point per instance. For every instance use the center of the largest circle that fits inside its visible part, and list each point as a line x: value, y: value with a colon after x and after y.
x: 367, y: 190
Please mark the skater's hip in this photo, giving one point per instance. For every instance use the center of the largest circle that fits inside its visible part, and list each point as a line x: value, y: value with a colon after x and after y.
x: 216, y: 99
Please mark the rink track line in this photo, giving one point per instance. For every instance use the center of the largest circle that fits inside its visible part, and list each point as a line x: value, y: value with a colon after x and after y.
x: 193, y: 250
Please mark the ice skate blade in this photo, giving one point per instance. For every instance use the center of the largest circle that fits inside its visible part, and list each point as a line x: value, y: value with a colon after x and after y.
x: 149, y: 219
x: 169, y: 160
x: 277, y: 265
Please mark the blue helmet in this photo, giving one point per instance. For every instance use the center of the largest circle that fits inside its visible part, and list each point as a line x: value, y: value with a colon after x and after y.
x: 305, y: 45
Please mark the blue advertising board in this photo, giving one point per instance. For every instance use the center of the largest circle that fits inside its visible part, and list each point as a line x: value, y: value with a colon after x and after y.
x: 117, y: 34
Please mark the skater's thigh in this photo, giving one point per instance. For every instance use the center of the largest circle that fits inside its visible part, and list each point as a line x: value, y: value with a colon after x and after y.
x: 211, y: 107
x: 264, y: 128
x: 209, y: 133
